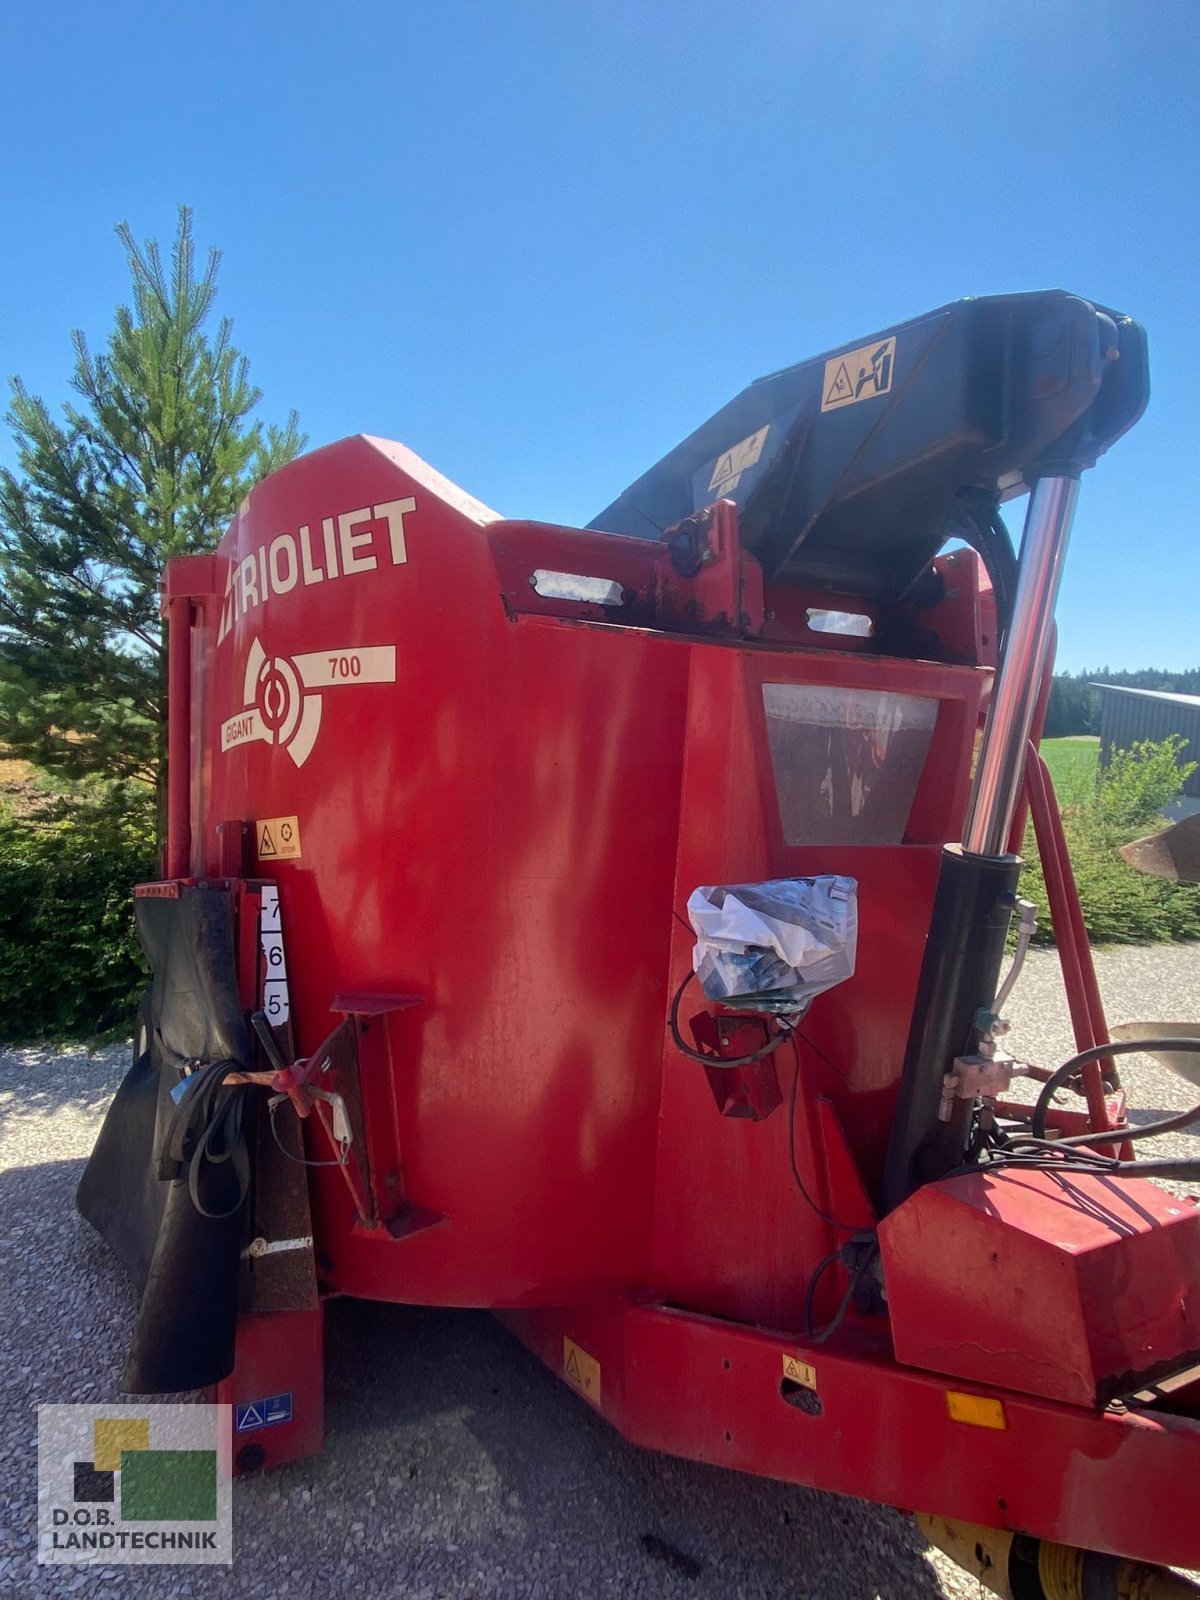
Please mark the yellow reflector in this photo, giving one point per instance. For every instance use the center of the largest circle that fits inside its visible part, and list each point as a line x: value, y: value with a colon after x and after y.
x: 977, y: 1409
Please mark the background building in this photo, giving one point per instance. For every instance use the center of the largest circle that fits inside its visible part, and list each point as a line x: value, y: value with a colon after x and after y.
x: 1128, y: 716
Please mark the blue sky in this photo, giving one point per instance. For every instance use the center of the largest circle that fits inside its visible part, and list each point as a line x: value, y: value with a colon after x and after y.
x: 540, y: 242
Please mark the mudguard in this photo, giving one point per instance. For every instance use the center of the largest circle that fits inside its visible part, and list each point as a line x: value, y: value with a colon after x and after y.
x: 178, y: 1227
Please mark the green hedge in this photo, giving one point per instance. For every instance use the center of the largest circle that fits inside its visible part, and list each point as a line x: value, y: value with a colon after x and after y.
x: 1124, y: 802
x: 70, y: 966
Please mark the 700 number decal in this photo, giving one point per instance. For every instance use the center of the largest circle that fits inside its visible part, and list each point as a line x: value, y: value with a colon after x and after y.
x: 281, y: 694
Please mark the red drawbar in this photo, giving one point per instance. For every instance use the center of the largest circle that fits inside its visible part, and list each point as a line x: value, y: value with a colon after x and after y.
x: 1074, y: 1287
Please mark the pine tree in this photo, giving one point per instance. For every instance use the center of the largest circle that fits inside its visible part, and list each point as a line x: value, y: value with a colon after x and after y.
x: 150, y: 462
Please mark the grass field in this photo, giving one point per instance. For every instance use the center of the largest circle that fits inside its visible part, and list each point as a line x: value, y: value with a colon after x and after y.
x: 1072, y: 764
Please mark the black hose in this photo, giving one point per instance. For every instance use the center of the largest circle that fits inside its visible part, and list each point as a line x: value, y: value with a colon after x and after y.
x: 1123, y: 1047
x: 984, y: 530
x: 810, y: 1295
x: 1144, y: 1130
x: 1073, y: 1162
x: 205, y: 1133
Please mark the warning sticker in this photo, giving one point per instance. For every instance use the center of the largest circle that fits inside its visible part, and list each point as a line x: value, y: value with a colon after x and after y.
x: 581, y: 1370
x: 796, y: 1371
x: 730, y: 464
x: 266, y: 1413
x: 277, y: 838
x: 861, y: 375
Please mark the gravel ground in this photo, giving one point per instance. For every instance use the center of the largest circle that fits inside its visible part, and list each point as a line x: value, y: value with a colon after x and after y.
x: 455, y: 1465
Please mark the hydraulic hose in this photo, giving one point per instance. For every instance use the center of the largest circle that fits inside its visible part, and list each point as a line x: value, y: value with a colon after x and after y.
x: 985, y: 531
x: 1098, y: 1052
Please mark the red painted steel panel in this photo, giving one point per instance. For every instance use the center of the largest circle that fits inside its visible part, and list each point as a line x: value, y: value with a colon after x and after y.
x: 502, y: 803
x: 1067, y: 1286
x: 491, y: 813
x: 712, y: 1391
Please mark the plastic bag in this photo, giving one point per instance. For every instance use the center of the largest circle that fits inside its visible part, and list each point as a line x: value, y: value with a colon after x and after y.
x: 787, y: 939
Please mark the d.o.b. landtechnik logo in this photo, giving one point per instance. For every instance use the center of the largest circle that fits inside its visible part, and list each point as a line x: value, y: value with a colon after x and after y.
x: 141, y: 1484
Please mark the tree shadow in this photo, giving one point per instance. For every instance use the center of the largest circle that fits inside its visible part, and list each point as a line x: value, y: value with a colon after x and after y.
x: 46, y: 1080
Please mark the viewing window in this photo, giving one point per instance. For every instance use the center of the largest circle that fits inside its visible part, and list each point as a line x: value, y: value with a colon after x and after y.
x: 846, y: 761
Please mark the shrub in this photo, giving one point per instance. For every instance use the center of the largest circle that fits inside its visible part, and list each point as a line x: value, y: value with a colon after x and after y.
x: 1137, y: 784
x: 70, y: 965
x: 1121, y: 906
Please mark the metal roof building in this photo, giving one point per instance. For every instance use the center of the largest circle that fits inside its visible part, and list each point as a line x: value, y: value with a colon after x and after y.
x: 1128, y: 716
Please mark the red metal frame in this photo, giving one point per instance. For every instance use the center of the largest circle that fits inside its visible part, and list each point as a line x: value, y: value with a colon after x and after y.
x: 505, y: 804
x: 1070, y: 935
x: 712, y: 1390
x: 179, y: 733
x: 188, y: 579
x: 279, y: 1347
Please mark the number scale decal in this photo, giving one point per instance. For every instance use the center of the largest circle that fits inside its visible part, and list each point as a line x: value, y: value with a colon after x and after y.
x: 276, y: 1003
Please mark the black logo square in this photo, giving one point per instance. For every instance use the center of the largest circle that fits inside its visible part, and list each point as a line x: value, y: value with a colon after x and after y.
x: 92, y: 1487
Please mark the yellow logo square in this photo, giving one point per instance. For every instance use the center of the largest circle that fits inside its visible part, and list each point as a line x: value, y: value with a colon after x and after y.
x: 111, y: 1435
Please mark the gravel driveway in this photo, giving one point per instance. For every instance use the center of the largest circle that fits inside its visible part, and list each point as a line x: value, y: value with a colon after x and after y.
x: 455, y: 1464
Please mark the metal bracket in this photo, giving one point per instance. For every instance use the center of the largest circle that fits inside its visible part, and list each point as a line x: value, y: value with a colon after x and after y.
x: 974, y: 1075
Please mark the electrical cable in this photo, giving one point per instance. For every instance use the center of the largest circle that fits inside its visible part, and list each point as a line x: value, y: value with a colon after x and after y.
x: 816, y: 1049
x: 787, y: 1032
x: 866, y: 1260
x: 844, y: 1227
x: 722, y: 1062
x: 301, y: 1161
x: 862, y: 1235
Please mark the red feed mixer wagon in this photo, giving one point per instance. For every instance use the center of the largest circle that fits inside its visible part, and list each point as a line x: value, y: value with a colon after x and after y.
x: 607, y: 927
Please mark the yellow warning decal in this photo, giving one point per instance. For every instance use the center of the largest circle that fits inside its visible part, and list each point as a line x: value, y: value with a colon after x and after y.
x: 796, y: 1371
x: 277, y: 838
x: 861, y: 375
x: 980, y: 1410
x: 581, y: 1370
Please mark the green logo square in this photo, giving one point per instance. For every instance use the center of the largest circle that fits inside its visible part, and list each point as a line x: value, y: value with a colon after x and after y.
x: 169, y: 1485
